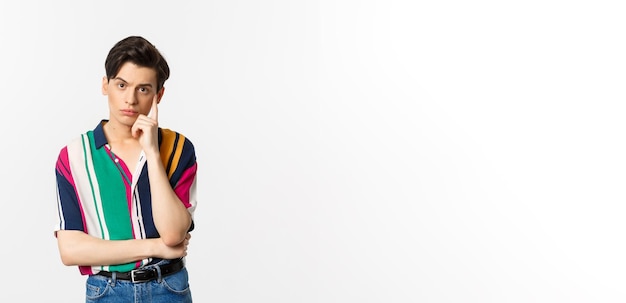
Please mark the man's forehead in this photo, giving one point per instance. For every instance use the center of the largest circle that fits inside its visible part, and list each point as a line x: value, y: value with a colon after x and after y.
x: 133, y: 73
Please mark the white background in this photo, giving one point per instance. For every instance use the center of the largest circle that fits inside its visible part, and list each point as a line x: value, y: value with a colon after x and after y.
x: 349, y: 151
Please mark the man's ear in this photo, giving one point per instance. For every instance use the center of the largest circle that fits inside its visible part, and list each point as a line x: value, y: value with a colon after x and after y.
x: 160, y: 94
x: 105, y: 85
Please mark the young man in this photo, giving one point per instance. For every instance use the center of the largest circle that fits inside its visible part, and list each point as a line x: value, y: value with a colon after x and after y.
x: 126, y: 190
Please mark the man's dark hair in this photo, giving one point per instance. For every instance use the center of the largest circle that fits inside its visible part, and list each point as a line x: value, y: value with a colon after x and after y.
x: 139, y: 51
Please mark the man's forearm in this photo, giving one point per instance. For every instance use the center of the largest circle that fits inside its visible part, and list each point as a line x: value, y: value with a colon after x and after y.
x: 79, y: 248
x: 171, y: 217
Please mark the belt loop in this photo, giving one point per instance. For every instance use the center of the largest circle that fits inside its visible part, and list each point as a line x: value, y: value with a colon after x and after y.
x: 158, y: 269
x: 113, y: 278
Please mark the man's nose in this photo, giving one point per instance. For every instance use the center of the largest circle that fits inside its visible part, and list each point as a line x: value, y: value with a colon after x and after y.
x: 131, y: 97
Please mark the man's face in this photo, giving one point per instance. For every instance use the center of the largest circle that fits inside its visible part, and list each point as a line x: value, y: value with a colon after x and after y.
x: 130, y: 93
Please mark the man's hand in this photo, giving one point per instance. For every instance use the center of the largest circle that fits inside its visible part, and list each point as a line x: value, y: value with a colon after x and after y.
x: 146, y: 127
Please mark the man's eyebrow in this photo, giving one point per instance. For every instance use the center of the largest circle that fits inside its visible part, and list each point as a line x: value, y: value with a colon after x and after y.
x: 142, y: 84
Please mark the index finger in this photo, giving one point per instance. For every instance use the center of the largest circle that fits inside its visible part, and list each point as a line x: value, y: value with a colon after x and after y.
x: 154, y: 111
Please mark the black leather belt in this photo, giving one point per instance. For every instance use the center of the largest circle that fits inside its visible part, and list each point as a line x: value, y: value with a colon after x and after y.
x: 147, y: 274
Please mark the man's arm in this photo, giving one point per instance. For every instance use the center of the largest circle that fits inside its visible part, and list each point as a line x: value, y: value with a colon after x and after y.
x: 79, y: 248
x: 171, y: 217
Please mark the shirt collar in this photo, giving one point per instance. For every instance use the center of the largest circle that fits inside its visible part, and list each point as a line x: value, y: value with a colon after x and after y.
x: 98, y: 134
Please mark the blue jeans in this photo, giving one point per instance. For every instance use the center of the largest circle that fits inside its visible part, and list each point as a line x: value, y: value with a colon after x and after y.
x: 168, y: 289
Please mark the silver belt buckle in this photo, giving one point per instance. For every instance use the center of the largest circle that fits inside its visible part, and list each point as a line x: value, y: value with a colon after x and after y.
x: 132, y: 275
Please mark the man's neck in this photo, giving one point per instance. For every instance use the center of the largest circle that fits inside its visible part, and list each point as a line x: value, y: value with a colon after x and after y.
x: 116, y: 133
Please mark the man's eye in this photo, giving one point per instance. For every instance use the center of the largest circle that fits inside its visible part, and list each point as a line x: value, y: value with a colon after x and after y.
x: 143, y: 89
x: 121, y: 85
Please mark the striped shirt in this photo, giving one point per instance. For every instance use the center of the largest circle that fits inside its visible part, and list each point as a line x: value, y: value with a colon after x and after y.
x: 101, y: 196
